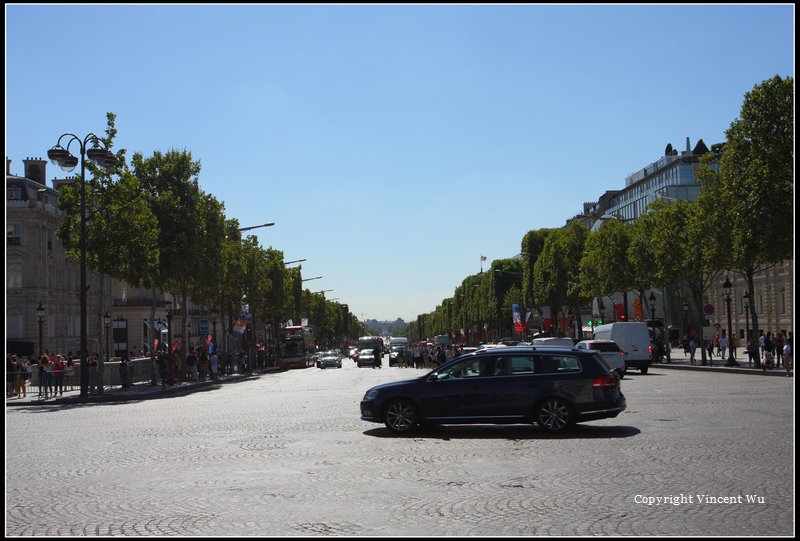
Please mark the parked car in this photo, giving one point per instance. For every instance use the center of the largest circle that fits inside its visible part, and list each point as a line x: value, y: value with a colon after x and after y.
x: 552, y: 387
x: 329, y: 358
x: 610, y: 352
x: 366, y: 357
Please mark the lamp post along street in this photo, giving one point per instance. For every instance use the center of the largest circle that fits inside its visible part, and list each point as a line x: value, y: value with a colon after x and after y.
x: 62, y: 157
x: 727, y: 287
x: 747, y: 326
x: 40, y: 312
x: 652, y: 299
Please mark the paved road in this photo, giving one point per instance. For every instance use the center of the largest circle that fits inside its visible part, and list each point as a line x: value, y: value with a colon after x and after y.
x: 286, y: 454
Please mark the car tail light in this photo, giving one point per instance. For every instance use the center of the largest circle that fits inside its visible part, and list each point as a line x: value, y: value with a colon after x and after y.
x: 606, y: 381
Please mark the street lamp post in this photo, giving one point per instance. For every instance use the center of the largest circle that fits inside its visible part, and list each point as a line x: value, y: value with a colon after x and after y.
x: 685, y: 307
x: 727, y: 287
x: 169, y: 327
x: 107, y: 323
x: 746, y: 297
x: 62, y: 157
x: 40, y: 312
x: 652, y: 299
x: 214, y: 324
x: 101, y: 367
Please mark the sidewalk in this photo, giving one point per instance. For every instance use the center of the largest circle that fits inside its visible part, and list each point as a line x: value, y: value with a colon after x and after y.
x: 680, y: 361
x: 140, y: 391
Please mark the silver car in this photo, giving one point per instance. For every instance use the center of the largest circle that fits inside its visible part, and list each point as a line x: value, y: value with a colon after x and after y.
x: 329, y: 358
x: 610, y: 352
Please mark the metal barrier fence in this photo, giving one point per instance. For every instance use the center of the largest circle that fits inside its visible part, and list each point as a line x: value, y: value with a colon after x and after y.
x: 113, y: 376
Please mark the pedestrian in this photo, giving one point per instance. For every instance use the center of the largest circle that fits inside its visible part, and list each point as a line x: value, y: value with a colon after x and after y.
x: 769, y: 345
x: 762, y: 346
x: 58, y: 375
x: 69, y: 372
x: 11, y: 365
x: 787, y: 357
x: 692, y: 349
x: 214, y: 366
x: 22, y: 378
x: 723, y: 346
x: 376, y: 363
x: 123, y: 372
x: 779, y: 343
x: 191, y: 365
x: 129, y: 370
x: 752, y: 353
x: 47, y: 372
x: 92, y: 364
x: 162, y: 369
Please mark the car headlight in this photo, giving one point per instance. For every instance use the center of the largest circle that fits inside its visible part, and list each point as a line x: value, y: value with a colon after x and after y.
x: 372, y: 394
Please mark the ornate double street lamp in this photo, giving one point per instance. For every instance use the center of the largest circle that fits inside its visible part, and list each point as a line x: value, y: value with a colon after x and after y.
x: 40, y: 311
x: 726, y: 287
x: 62, y: 157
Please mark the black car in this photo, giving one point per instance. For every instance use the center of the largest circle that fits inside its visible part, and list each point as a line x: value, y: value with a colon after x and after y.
x: 553, y: 387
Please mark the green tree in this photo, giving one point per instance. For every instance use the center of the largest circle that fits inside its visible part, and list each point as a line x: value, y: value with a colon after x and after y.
x: 752, y: 185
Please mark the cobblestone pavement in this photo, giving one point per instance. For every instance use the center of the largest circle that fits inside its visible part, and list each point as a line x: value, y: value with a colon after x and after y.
x: 285, y: 454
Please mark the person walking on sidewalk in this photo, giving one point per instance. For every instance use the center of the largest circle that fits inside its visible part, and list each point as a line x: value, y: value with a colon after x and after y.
x: 787, y: 357
x: 779, y: 343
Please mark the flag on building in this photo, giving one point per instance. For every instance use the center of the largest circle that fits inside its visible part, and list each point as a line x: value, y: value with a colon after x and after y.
x: 483, y: 258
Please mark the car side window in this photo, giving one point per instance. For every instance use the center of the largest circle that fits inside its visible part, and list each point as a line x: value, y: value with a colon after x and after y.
x: 556, y: 364
x: 466, y: 369
x: 522, y: 365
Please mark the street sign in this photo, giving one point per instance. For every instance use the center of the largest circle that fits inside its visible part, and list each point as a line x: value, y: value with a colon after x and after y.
x: 708, y: 309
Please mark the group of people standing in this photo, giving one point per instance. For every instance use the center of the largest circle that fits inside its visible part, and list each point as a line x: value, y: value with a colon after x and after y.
x: 769, y: 350
x: 772, y: 351
x: 51, y: 373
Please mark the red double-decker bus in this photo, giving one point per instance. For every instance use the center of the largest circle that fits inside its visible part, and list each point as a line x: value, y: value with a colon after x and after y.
x: 295, y: 346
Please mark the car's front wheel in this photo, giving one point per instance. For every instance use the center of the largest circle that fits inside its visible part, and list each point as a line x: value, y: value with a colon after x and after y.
x: 400, y: 416
x: 554, y: 415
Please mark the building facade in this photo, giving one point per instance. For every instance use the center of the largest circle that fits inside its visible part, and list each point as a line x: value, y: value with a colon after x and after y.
x: 673, y: 177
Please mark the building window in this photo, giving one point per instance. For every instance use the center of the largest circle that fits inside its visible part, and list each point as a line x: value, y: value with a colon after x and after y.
x: 14, y: 328
x: 13, y: 234
x: 782, y: 301
x: 15, y: 194
x: 14, y: 275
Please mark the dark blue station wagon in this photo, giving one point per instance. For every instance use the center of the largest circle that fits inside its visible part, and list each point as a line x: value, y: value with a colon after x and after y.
x: 553, y: 387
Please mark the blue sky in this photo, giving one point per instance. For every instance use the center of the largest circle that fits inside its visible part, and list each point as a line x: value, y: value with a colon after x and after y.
x: 392, y: 145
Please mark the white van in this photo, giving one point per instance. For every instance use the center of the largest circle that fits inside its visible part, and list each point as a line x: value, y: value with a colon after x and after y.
x: 633, y: 338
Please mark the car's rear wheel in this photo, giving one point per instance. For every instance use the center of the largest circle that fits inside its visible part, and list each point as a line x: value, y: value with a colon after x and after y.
x: 400, y: 416
x: 554, y: 415
x: 644, y: 370
x: 621, y: 373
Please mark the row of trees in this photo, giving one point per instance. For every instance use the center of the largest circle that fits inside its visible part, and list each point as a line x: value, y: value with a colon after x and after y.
x: 150, y: 225
x: 741, y: 223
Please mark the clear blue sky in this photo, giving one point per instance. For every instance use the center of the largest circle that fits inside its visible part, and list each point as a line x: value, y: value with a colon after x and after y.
x: 392, y: 145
